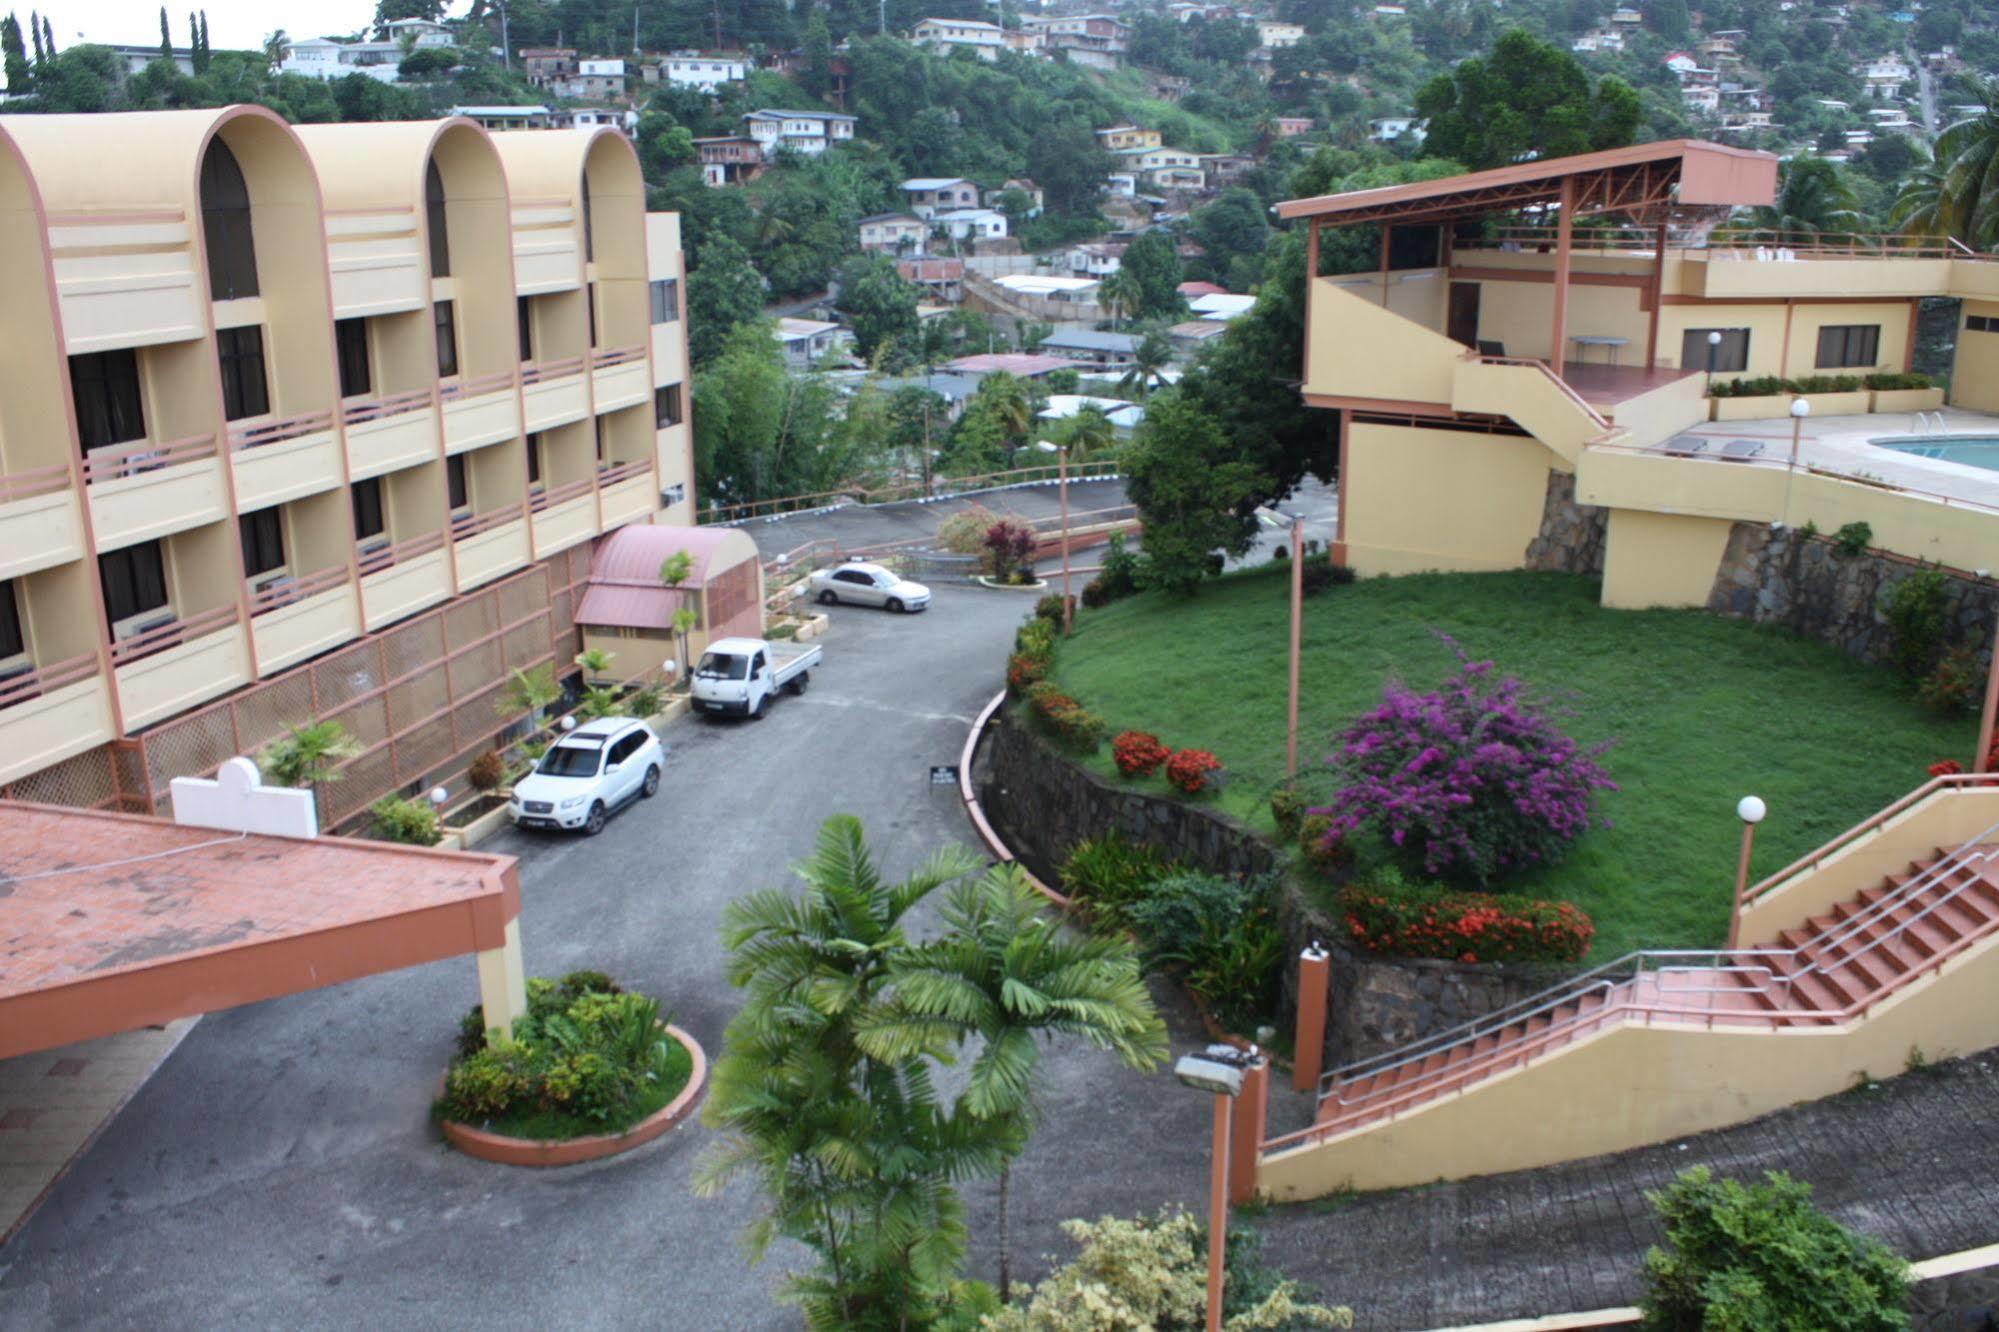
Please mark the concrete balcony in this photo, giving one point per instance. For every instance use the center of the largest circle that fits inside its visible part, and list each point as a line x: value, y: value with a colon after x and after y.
x: 545, y: 246
x: 554, y: 393
x: 390, y: 433
x: 41, y: 524
x: 274, y: 461
x: 374, y: 260
x: 143, y: 490
x: 619, y: 378
x: 125, y: 279
x: 562, y: 516
x: 292, y: 619
x: 625, y: 494
x: 488, y: 545
x: 171, y: 667
x: 49, y: 713
x: 479, y: 411
x: 402, y: 579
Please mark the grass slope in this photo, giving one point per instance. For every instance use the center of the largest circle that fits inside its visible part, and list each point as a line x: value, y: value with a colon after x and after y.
x: 1704, y: 710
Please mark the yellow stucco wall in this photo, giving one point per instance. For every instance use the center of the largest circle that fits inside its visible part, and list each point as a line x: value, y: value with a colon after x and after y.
x: 1660, y: 559
x: 1358, y: 349
x: 1421, y: 499
x: 1974, y: 383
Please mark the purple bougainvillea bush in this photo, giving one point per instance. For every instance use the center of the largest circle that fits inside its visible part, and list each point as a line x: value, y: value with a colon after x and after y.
x: 1472, y: 781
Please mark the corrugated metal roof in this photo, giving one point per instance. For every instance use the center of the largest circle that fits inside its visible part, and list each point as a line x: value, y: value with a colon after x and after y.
x: 623, y: 590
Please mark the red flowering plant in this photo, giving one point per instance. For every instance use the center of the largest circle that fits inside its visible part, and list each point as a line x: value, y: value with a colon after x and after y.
x: 1472, y: 780
x: 1138, y: 753
x: 1193, y: 770
x: 1069, y: 721
x: 1009, y: 547
x: 1463, y: 927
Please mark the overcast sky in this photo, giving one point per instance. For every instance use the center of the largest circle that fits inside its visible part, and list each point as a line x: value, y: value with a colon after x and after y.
x: 241, y: 24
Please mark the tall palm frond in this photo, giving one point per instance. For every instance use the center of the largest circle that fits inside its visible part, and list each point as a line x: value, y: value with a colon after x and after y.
x: 1969, y: 153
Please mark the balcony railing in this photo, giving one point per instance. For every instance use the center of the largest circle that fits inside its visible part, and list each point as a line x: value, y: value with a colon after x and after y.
x: 612, y: 473
x: 1738, y: 243
x: 547, y: 499
x: 610, y: 356
x: 282, y: 592
x: 472, y: 524
x: 378, y: 558
x: 160, y: 637
x: 25, y: 686
x: 36, y: 481
x: 129, y: 459
x: 471, y: 387
x: 395, y: 404
x: 539, y: 372
x: 274, y: 432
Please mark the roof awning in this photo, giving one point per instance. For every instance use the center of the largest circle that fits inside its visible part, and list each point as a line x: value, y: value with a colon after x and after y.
x: 1642, y: 179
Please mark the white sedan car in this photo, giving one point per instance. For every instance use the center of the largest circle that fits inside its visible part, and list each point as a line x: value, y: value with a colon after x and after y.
x: 597, y: 768
x: 868, y: 585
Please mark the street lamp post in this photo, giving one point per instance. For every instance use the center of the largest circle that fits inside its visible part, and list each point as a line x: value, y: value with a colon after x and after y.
x: 1750, y: 810
x: 1061, y: 453
x: 1297, y: 611
x: 1800, y: 409
x: 1219, y: 1071
x: 1713, y: 350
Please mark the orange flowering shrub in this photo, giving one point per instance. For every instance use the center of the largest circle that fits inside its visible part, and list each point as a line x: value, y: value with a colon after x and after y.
x: 1465, y: 927
x: 1191, y: 770
x: 1138, y: 753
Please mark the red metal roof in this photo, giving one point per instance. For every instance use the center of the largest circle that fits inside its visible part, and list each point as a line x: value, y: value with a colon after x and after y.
x: 1191, y: 289
x: 1015, y: 363
x: 623, y: 590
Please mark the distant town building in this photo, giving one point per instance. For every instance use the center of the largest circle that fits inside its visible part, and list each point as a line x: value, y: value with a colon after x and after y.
x: 984, y: 40
x: 807, y: 342
x: 1081, y: 291
x: 809, y: 132
x: 941, y: 279
x: 974, y: 224
x: 928, y: 196
x: 1100, y: 351
x: 136, y: 58
x: 507, y: 117
x: 327, y: 58
x: 543, y: 65
x: 1025, y: 186
x: 1097, y: 259
x: 696, y: 69
x: 1023, y: 364
x: 1290, y: 127
x: 1095, y: 40
x: 593, y: 81
x: 1387, y: 129
x: 1117, y: 138
x: 1272, y: 35
x: 893, y: 233
x: 730, y: 159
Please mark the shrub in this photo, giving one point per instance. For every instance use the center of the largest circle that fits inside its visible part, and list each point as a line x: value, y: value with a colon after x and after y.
x: 1037, y: 637
x: 308, y: 755
x: 413, y: 822
x: 644, y: 702
x: 780, y: 632
x: 1009, y: 545
x: 1049, y: 608
x: 964, y: 532
x: 1119, y: 572
x: 1220, y: 935
x: 1109, y: 873
x: 1471, y: 780
x: 1952, y: 685
x: 1024, y: 669
x: 1390, y: 917
x: 1194, y: 770
x: 600, y: 701
x: 1318, y: 575
x: 1138, y: 753
x: 1063, y: 717
x: 586, y: 1058
x: 1885, y: 381
x: 1914, y: 609
x: 1853, y: 539
x: 1287, y: 808
x: 1095, y: 597
x: 1761, y: 1256
x: 487, y: 771
x: 1321, y: 853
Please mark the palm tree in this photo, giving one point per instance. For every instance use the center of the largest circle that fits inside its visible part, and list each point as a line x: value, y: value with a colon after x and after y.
x: 1006, y: 399
x: 1149, y: 360
x: 1969, y: 152
x: 308, y: 756
x: 527, y: 692
x: 276, y: 47
x: 1123, y: 292
x: 1005, y: 972
x: 1921, y: 207
x: 1814, y: 196
x: 1089, y: 431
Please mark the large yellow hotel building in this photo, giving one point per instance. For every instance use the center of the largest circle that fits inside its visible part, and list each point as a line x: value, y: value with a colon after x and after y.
x: 306, y: 422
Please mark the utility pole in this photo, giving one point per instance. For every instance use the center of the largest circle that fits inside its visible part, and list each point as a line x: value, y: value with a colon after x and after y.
x: 506, y: 42
x: 635, y: 28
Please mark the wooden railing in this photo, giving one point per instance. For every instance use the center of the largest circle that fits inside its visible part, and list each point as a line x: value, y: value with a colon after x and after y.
x: 172, y: 634
x: 610, y: 356
x: 472, y: 386
x: 41, y: 680
x: 394, y: 405
x: 129, y: 459
x: 282, y: 592
x: 385, y: 557
x: 36, y: 481
x: 540, y: 372
x: 275, y: 432
x: 539, y: 500
x: 622, y: 471
x: 472, y: 524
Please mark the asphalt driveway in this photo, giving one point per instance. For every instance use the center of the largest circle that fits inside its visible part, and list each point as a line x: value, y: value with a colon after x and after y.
x: 280, y: 1170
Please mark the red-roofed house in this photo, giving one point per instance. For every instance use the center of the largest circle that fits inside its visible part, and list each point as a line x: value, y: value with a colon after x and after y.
x: 628, y: 612
x: 1024, y: 364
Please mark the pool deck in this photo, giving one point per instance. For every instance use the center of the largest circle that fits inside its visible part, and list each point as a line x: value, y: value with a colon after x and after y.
x: 1843, y: 444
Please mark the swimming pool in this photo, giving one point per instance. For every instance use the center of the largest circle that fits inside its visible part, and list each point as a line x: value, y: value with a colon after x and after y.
x: 1969, y: 450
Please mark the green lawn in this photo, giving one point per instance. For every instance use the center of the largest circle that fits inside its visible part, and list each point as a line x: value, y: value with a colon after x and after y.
x: 1704, y: 710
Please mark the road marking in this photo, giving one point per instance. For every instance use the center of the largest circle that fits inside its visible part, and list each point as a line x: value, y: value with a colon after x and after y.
x: 869, y: 705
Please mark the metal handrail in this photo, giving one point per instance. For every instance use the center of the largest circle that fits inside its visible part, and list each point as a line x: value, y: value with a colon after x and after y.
x: 172, y: 634
x: 1596, y: 418
x: 623, y: 471
x: 562, y: 494
x: 385, y: 557
x: 472, y: 524
x: 281, y: 592
x: 32, y: 684
x: 617, y: 355
x: 274, y: 432
x: 33, y: 482
x: 119, y: 460
x: 452, y: 390
x: 1814, y: 858
x: 393, y: 405
x: 538, y: 372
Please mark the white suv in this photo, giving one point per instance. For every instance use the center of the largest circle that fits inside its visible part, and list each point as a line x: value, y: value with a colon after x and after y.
x: 599, y: 767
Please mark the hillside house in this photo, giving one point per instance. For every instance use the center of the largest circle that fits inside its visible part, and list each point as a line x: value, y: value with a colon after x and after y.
x: 1290, y: 127
x: 808, y: 132
x: 985, y: 40
x: 1117, y: 138
x: 1387, y: 129
x: 971, y: 224
x: 1099, y: 259
x: 1272, y: 35
x: 941, y: 279
x: 730, y: 160
x: 696, y: 69
x: 1025, y: 186
x: 543, y: 65
x: 893, y: 233
x: 807, y: 342
x: 1088, y: 347
x: 326, y: 58
x: 928, y: 196
x: 1097, y: 41
x: 1885, y: 76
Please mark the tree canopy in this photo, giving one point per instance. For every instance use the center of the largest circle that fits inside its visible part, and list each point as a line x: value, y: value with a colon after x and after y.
x: 1527, y: 98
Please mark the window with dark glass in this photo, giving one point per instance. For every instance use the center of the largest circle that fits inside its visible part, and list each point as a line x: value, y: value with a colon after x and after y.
x: 1731, y: 356
x: 435, y: 221
x: 135, y: 580
x: 524, y: 325
x: 666, y: 406
x: 225, y: 225
x: 12, y: 643
x: 368, y: 518
x: 350, y: 341
x: 106, y: 388
x: 245, y: 391
x: 534, y: 459
x: 447, y: 339
x: 590, y: 296
x: 454, y: 482
x: 589, y: 238
x: 263, y: 542
x: 665, y: 300
x: 603, y: 444
x: 1849, y: 346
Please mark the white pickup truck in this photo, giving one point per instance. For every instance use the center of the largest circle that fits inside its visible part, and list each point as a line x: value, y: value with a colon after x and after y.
x: 739, y: 675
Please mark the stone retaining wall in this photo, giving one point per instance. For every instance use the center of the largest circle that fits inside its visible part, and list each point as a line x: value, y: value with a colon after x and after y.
x: 1572, y: 535
x: 1966, y: 1300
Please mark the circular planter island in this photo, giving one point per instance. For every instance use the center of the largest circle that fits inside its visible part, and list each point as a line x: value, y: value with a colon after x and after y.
x: 1038, y: 585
